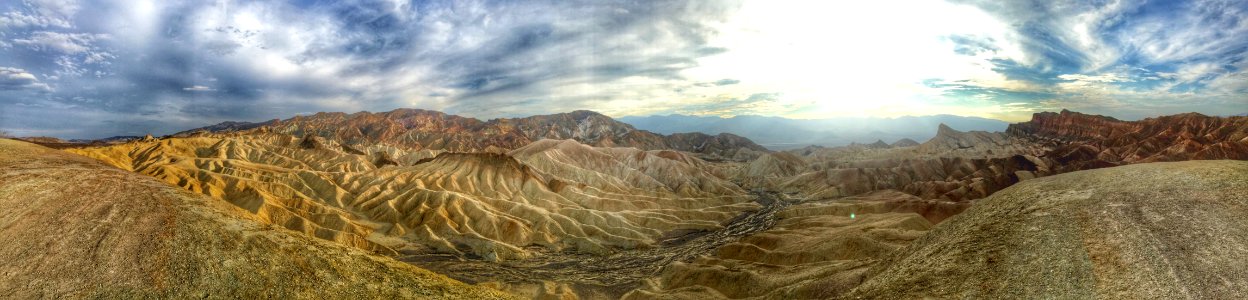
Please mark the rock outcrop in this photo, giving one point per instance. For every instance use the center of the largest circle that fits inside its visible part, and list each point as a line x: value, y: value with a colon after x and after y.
x: 1083, y: 141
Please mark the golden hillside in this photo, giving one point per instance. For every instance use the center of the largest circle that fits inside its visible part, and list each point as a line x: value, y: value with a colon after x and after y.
x: 75, y: 228
x: 551, y: 194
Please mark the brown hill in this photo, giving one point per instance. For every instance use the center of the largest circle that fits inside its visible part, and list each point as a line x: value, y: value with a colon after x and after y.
x: 1158, y: 230
x: 961, y: 166
x: 551, y: 194
x: 1108, y: 233
x: 528, y: 203
x: 904, y: 143
x: 875, y: 201
x: 76, y: 228
x: 1083, y: 141
x: 424, y: 129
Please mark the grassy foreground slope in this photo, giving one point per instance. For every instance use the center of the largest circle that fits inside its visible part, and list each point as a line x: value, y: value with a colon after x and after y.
x: 73, y: 227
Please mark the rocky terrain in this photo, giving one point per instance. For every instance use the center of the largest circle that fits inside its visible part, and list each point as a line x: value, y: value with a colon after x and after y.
x: 878, y: 199
x: 1108, y: 233
x: 1082, y: 141
x: 76, y: 228
x: 1147, y: 231
x: 552, y: 193
x: 578, y: 205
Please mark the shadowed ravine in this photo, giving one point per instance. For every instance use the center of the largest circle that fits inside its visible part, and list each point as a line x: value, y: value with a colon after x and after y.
x: 613, y: 275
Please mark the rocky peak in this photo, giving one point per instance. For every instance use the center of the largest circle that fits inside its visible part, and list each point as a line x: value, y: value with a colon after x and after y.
x: 1069, y: 124
x: 949, y: 139
x: 945, y: 130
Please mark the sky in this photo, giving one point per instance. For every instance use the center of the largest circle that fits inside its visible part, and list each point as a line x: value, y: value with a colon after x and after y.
x: 98, y: 68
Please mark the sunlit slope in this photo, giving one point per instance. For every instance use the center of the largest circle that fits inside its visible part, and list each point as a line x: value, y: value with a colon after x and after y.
x: 75, y: 228
x: 858, y: 207
x: 1157, y: 230
x: 552, y: 194
x: 1143, y: 231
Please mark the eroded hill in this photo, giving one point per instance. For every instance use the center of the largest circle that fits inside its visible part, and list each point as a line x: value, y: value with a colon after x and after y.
x: 541, y: 207
x: 75, y: 228
x: 551, y: 194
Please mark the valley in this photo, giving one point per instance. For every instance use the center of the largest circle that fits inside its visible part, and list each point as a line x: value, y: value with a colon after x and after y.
x: 623, y: 150
x: 579, y: 206
x: 606, y: 276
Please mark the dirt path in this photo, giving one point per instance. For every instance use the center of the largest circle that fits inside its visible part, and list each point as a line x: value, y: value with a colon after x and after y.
x: 611, y: 275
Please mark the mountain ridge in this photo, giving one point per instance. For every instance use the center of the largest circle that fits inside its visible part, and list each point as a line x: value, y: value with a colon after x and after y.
x: 427, y: 129
x: 783, y: 133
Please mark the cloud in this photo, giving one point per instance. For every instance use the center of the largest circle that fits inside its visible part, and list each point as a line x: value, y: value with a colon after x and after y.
x: 1126, y: 58
x: 199, y: 88
x: 972, y: 45
x: 727, y: 107
x: 69, y: 43
x: 14, y: 79
x: 275, y: 59
x: 1104, y: 78
x: 20, y: 20
x: 41, y: 14
x: 163, y: 66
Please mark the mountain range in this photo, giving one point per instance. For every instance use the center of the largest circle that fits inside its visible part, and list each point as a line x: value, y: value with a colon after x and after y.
x: 782, y: 133
x: 581, y: 206
x: 424, y: 129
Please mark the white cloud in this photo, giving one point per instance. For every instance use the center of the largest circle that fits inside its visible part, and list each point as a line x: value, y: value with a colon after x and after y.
x: 98, y: 57
x: 68, y: 43
x: 1104, y: 78
x: 832, y: 58
x: 42, y: 14
x: 19, y: 79
x: 199, y: 88
x: 15, y: 19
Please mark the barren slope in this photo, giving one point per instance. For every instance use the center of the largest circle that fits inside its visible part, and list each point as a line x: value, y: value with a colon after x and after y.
x: 75, y: 228
x: 552, y: 194
x: 1158, y: 230
x: 859, y: 203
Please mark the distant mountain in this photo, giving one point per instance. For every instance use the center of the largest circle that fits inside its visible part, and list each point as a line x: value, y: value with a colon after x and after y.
x: 57, y: 143
x: 426, y: 129
x: 782, y: 133
x: 228, y: 126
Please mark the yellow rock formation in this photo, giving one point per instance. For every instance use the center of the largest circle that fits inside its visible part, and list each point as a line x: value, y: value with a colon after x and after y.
x: 551, y: 193
x: 76, y: 228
